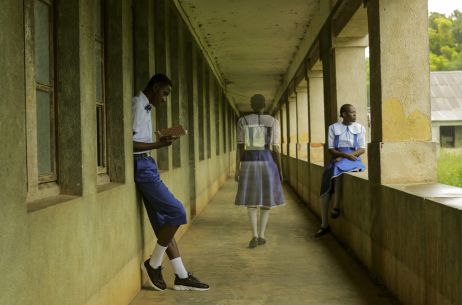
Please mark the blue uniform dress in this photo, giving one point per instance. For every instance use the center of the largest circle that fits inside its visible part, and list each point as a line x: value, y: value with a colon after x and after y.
x: 259, y: 182
x: 162, y: 207
x: 346, y: 139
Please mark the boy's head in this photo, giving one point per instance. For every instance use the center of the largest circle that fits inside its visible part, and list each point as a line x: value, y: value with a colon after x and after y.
x: 257, y: 102
x: 158, y: 89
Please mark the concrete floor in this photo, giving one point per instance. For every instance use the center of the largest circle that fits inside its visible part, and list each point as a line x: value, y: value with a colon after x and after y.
x: 292, y: 268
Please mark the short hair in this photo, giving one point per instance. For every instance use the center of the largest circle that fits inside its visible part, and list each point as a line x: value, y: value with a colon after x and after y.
x: 344, y: 108
x: 257, y: 102
x: 159, y: 78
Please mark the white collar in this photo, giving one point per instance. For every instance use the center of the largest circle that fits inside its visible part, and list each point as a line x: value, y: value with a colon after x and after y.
x: 340, y: 128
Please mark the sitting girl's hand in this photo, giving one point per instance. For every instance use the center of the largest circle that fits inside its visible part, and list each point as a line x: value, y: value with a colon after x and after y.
x: 351, y: 157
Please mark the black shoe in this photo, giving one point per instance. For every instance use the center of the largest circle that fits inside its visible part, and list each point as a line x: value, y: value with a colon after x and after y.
x: 189, y: 283
x: 335, y: 213
x: 322, y: 231
x: 253, y: 242
x: 261, y: 241
x: 155, y: 278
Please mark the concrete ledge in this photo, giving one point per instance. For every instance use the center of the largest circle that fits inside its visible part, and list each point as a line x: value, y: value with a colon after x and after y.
x: 408, y: 235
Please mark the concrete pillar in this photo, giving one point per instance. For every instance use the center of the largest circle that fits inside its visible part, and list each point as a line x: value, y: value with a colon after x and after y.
x: 143, y: 36
x: 162, y: 64
x: 14, y: 218
x: 350, y: 81
x: 119, y: 86
x: 284, y: 132
x: 316, y: 117
x: 302, y: 119
x: 401, y: 150
x: 175, y: 43
x: 293, y: 125
x: 191, y: 82
x: 330, y: 94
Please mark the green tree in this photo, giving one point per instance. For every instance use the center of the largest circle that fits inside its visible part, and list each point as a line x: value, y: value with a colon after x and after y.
x: 445, y: 35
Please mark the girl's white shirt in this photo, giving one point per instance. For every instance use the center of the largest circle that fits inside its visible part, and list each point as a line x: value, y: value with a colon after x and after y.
x: 346, y: 135
x: 265, y: 120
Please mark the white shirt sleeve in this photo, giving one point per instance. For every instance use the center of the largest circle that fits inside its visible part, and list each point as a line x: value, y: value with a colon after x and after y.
x: 137, y: 112
x: 331, y: 137
x: 240, y: 132
x: 276, y: 136
x: 362, y: 138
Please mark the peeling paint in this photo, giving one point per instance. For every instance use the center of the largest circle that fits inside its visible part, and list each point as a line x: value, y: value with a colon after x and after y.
x: 397, y: 126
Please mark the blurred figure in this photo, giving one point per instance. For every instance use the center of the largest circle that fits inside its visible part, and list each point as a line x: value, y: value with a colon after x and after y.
x: 258, y: 169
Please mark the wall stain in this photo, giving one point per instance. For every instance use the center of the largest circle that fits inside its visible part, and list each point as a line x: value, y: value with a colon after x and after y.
x: 399, y: 127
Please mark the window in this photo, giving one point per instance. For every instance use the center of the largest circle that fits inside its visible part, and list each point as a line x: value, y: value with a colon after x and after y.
x: 217, y: 111
x: 230, y: 127
x: 208, y: 86
x: 447, y: 138
x: 224, y: 119
x: 40, y: 97
x: 44, y: 89
x: 292, y: 126
x: 200, y: 109
x: 283, y: 130
x: 302, y: 126
x: 101, y: 137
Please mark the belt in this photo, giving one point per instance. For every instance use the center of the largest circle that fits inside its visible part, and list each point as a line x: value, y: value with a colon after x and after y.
x: 143, y: 155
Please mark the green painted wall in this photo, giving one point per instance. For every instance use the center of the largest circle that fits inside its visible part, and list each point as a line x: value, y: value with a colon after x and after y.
x: 86, y: 248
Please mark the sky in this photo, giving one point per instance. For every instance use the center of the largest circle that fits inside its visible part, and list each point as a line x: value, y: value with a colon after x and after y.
x: 444, y: 6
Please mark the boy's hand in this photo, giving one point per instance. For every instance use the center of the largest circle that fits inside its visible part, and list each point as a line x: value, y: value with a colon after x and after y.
x: 167, y: 140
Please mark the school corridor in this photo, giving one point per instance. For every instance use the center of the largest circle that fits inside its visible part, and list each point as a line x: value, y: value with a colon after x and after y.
x: 291, y: 268
x: 72, y: 228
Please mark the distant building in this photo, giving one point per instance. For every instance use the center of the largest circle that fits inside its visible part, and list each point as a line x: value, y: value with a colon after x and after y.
x: 446, y: 101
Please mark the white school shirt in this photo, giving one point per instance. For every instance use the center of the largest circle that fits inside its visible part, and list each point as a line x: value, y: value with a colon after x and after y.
x: 265, y: 120
x: 142, y: 126
x: 346, y: 135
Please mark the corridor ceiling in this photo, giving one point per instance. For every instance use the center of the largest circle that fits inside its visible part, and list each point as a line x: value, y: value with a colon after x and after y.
x: 252, y: 43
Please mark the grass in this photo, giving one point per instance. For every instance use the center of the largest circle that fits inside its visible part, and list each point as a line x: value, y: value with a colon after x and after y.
x: 450, y: 166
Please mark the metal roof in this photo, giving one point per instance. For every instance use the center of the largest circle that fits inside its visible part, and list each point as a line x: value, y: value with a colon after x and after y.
x: 446, y: 95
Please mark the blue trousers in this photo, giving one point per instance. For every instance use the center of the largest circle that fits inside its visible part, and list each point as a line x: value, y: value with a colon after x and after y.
x: 162, y: 207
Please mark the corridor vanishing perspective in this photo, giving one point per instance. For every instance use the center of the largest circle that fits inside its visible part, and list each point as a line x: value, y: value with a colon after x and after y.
x: 74, y: 230
x: 292, y: 268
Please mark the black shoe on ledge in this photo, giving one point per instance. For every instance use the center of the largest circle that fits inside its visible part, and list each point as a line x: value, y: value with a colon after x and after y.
x: 189, y: 283
x: 155, y: 278
x: 322, y: 231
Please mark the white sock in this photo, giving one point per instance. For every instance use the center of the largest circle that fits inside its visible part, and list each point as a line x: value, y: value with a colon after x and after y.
x: 252, y: 212
x: 178, y: 268
x: 264, y: 215
x: 325, y: 199
x: 157, y: 256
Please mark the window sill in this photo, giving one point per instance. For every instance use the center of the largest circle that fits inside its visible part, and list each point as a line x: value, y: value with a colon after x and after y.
x: 44, y: 203
x: 107, y: 186
x: 102, y: 179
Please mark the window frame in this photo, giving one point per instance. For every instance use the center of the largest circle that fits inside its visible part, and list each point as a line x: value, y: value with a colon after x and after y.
x: 40, y: 186
x: 102, y: 157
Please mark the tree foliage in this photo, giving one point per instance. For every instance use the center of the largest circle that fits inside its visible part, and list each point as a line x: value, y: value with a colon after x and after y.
x: 445, y: 34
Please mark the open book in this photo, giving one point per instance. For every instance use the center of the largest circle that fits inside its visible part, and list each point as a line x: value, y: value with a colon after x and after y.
x: 175, y: 131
